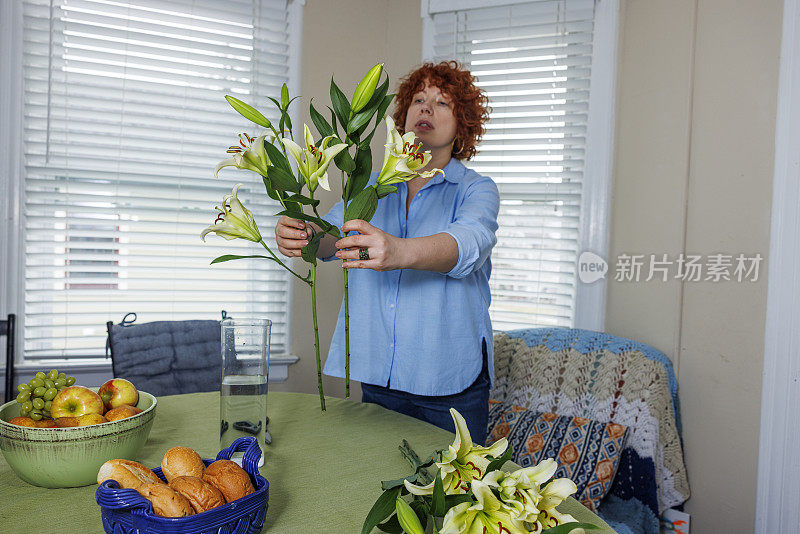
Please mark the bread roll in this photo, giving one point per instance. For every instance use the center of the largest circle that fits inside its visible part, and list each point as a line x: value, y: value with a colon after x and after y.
x: 229, y: 478
x: 166, y: 501
x: 182, y: 462
x: 201, y: 495
x: 128, y: 474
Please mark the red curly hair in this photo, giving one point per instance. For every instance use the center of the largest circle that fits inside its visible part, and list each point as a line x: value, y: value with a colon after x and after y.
x: 470, y: 104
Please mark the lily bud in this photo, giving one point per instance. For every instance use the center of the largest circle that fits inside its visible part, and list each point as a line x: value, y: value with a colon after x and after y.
x: 408, y: 518
x: 366, y: 88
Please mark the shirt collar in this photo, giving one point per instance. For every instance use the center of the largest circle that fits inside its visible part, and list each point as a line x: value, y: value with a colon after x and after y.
x: 453, y: 172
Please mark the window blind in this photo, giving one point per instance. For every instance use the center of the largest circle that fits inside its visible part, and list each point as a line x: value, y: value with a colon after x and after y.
x: 125, y: 119
x: 534, y: 62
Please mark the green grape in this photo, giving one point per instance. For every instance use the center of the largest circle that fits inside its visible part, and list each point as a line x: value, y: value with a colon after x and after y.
x: 39, y: 392
x: 53, y: 374
x: 27, y: 406
x: 35, y: 383
x: 36, y: 415
x: 50, y: 394
x: 62, y: 375
x: 38, y: 403
x: 47, y: 405
x: 23, y: 396
x: 60, y: 383
x: 70, y: 380
x: 40, y: 375
x: 48, y: 383
x: 24, y: 413
x: 23, y: 387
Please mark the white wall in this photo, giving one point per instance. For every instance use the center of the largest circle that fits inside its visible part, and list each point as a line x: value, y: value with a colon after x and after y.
x: 696, y: 107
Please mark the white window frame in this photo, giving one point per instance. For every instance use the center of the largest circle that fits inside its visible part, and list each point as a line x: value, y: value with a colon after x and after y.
x: 12, y: 242
x: 590, y: 299
x: 778, y: 488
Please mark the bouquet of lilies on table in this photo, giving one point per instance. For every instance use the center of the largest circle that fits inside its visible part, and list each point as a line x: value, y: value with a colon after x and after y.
x: 470, y: 493
x: 292, y: 172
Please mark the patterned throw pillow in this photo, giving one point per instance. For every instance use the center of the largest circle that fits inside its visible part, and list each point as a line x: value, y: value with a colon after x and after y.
x: 587, y: 451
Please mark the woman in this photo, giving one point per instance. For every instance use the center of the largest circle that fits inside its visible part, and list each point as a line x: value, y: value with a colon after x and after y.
x: 421, y: 338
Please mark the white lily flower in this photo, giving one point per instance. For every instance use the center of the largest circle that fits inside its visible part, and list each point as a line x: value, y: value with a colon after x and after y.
x: 487, y: 515
x: 555, y: 492
x: 462, y: 462
x: 234, y: 220
x: 519, y: 490
x: 312, y: 162
x: 402, y: 158
x: 249, y: 154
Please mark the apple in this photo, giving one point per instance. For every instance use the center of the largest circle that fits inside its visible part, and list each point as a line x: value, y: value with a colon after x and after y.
x: 23, y: 421
x: 122, y: 412
x: 65, y: 422
x: 91, y: 419
x: 75, y: 401
x: 118, y: 392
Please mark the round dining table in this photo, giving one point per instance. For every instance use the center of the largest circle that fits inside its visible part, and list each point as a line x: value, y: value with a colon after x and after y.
x: 324, y: 468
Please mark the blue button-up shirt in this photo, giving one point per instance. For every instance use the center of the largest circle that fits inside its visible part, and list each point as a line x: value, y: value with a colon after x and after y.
x: 421, y: 331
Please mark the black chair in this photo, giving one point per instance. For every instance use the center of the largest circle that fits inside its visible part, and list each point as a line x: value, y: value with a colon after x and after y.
x: 167, y: 357
x: 7, y: 328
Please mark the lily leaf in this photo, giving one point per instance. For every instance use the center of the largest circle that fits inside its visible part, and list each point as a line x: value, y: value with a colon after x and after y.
x: 282, y: 180
x: 302, y: 199
x: 229, y: 257
x: 248, y: 112
x: 309, y: 252
x: 319, y: 121
x: 452, y: 500
x: 566, y: 528
x: 385, y: 190
x: 360, y: 177
x: 392, y: 526
x: 438, y: 504
x: 322, y: 223
x: 363, y: 206
x: 340, y: 104
x: 277, y: 158
x: 498, y: 463
x: 345, y: 161
x: 383, y: 508
x: 333, y: 121
x: 270, y: 190
x: 389, y: 484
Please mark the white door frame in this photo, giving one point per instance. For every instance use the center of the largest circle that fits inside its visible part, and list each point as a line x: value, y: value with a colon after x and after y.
x: 778, y: 491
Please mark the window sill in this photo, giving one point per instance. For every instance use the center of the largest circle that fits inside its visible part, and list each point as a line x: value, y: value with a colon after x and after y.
x: 278, y: 367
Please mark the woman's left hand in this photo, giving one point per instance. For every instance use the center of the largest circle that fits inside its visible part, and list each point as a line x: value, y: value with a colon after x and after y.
x: 386, y: 252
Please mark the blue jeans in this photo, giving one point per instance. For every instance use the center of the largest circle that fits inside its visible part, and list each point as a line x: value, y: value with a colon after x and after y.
x: 472, y: 403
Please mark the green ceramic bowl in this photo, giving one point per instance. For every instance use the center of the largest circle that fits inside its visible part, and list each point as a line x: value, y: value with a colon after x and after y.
x: 71, y: 457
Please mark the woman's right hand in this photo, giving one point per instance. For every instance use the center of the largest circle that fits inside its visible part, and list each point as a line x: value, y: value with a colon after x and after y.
x: 291, y: 235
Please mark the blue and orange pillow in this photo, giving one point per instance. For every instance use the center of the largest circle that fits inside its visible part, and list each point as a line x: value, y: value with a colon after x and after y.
x: 587, y: 451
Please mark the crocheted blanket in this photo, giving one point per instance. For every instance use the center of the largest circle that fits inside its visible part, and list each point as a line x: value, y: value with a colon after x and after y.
x: 588, y: 374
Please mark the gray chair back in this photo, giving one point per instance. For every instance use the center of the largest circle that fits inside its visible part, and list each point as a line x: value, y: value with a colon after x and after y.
x: 167, y: 357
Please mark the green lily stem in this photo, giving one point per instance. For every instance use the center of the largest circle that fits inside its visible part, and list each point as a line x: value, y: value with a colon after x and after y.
x: 346, y: 336
x: 316, y: 333
x: 304, y: 279
x: 346, y: 314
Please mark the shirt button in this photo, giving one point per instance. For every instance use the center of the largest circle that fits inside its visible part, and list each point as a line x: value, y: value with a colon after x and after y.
x: 391, y: 345
x: 391, y: 305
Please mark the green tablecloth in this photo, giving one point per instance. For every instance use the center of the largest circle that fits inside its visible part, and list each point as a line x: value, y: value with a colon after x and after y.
x: 324, y: 469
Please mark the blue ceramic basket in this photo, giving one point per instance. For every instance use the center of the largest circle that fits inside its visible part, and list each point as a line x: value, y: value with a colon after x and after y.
x: 126, y: 511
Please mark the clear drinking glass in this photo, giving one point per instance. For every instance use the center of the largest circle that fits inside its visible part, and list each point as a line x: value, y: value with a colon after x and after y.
x: 245, y: 371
